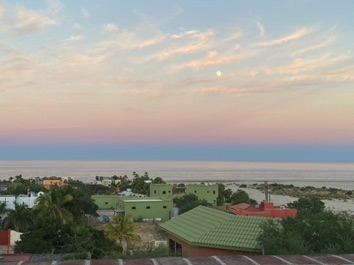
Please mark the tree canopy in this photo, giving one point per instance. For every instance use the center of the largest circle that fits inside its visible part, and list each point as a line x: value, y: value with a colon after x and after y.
x: 315, y: 231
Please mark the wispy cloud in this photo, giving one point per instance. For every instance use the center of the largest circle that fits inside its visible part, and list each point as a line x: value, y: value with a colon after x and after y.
x: 25, y: 20
x: 330, y: 40
x: 77, y: 26
x: 261, y: 28
x: 290, y: 38
x: 85, y: 13
x: 110, y: 28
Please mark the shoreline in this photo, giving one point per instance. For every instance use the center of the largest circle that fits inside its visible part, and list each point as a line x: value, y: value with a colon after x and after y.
x: 335, y: 205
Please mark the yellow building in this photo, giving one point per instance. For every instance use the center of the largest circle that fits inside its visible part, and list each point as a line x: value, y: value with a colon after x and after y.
x: 48, y: 182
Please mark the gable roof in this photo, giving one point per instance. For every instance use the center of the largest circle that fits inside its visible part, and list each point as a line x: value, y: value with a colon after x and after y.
x: 203, y: 226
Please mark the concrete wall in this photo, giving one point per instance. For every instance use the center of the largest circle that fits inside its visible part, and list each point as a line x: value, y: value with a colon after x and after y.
x: 204, y: 192
x: 147, y: 209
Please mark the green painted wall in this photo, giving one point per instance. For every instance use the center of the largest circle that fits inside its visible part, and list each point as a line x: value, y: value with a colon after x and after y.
x: 204, y: 192
x: 163, y: 191
x: 106, y: 202
x: 146, y: 208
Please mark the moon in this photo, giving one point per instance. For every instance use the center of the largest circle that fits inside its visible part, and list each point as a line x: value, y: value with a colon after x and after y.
x: 218, y: 73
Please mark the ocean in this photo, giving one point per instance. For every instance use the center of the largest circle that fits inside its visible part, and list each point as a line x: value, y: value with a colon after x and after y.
x: 176, y: 171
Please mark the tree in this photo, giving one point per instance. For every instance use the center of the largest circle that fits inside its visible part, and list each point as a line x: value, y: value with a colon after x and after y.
x: 81, y: 202
x: 188, y: 202
x: 51, y: 206
x: 320, y: 233
x: 308, y: 205
x: 56, y: 238
x: 122, y: 229
x: 240, y: 196
x: 224, y: 194
x: 19, y: 219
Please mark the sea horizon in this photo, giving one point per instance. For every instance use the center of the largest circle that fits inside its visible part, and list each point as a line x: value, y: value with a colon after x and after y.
x: 170, y: 171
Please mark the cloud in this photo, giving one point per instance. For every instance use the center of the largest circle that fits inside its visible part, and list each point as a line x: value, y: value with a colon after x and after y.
x: 77, y: 26
x: 85, y: 13
x: 75, y: 38
x: 330, y: 40
x: 261, y: 28
x: 189, y: 43
x: 290, y: 38
x: 2, y: 12
x: 25, y: 20
x: 110, y: 28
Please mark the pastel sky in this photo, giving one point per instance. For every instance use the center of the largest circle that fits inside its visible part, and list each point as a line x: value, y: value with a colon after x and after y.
x: 177, y: 80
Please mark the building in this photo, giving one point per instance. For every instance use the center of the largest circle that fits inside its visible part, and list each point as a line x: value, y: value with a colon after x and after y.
x: 265, y: 209
x: 142, y: 208
x: 145, y: 209
x: 8, y: 240
x: 203, y: 231
x: 106, y: 202
x: 51, y: 181
x: 163, y: 191
x: 208, y: 192
x: 29, y: 199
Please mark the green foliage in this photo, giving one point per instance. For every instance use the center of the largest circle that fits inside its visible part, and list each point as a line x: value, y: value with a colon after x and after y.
x: 160, y: 251
x: 123, y: 230
x: 158, y: 180
x: 224, y: 194
x: 188, y: 202
x: 55, y: 238
x: 51, y: 206
x: 240, y: 196
x: 320, y: 233
x: 308, y: 205
x: 19, y: 219
x: 140, y: 183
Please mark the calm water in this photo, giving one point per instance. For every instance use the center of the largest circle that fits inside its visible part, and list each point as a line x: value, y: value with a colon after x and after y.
x: 181, y: 171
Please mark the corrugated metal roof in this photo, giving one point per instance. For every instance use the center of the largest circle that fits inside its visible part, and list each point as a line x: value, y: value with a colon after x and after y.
x: 204, y: 226
x: 215, y: 260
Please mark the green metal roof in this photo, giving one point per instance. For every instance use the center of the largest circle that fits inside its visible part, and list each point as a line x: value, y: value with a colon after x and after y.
x: 207, y: 227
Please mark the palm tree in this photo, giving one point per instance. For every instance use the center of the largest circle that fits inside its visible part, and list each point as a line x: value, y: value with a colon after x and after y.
x: 3, y: 212
x: 19, y: 219
x: 51, y: 206
x: 122, y: 229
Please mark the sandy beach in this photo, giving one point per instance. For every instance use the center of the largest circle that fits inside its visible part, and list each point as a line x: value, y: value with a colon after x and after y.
x: 335, y: 205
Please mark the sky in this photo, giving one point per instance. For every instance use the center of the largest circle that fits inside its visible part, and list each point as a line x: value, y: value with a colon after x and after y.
x: 177, y: 80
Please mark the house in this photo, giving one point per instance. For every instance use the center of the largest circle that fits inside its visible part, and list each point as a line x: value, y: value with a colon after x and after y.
x: 29, y: 199
x: 265, y: 209
x: 207, y: 191
x: 145, y: 209
x: 203, y: 231
x: 8, y: 240
x: 51, y: 181
x: 142, y: 208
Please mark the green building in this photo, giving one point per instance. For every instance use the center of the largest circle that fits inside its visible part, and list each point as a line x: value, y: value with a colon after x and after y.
x: 203, y: 231
x: 145, y: 209
x: 163, y: 191
x: 106, y: 202
x: 208, y: 192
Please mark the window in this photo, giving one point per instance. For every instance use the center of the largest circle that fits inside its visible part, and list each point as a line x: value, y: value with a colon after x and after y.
x: 133, y: 208
x: 207, y: 191
x: 164, y: 192
x: 147, y: 207
x: 213, y: 191
x: 154, y: 191
x: 105, y: 202
x: 165, y: 207
x: 195, y: 191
